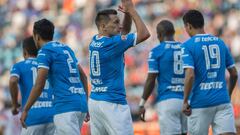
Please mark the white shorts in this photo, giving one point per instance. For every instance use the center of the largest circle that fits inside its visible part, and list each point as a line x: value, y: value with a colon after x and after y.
x: 171, y: 119
x: 69, y: 123
x: 42, y: 129
x: 220, y: 117
x: 109, y: 118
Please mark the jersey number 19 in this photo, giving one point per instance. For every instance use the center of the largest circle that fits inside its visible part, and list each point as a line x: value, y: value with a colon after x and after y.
x: 211, y: 53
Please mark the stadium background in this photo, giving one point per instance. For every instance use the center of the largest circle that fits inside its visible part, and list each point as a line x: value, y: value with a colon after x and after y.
x: 74, y: 21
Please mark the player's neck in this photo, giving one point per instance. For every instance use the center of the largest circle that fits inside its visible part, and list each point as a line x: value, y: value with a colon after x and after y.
x: 103, y: 35
x: 199, y: 31
x: 43, y: 42
x: 29, y: 56
x: 170, y: 38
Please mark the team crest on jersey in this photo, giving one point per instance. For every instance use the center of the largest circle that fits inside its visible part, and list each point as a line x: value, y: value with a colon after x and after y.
x: 124, y: 37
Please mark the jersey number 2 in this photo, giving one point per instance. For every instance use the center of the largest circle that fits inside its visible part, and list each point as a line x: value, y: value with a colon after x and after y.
x: 70, y: 62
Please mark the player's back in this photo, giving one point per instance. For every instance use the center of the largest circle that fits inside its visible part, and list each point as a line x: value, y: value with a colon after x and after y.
x: 64, y: 76
x: 107, y: 67
x: 209, y: 57
x: 166, y: 60
x: 26, y: 71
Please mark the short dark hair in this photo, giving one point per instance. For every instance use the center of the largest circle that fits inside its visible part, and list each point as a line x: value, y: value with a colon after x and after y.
x: 194, y: 17
x: 104, y: 16
x: 44, y: 28
x: 29, y: 46
x: 166, y: 28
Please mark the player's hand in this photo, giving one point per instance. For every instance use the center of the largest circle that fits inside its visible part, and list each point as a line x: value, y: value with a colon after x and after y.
x: 87, y: 118
x: 121, y: 9
x: 127, y: 5
x: 142, y: 113
x: 186, y: 109
x: 23, y: 118
x: 15, y: 109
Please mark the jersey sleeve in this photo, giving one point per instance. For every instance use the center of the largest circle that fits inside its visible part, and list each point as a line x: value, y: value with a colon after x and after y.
x: 187, y: 57
x: 229, y: 59
x: 44, y: 58
x: 152, y: 63
x: 15, y: 71
x: 123, y: 42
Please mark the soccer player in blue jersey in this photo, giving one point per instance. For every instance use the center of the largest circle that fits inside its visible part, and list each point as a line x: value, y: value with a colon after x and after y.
x: 165, y: 65
x: 108, y: 107
x: 57, y: 62
x: 24, y: 73
x: 205, y: 59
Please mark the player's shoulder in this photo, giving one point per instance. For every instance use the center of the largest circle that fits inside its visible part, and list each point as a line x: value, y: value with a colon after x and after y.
x: 199, y: 38
x: 100, y: 41
x: 53, y: 47
x: 211, y: 39
x: 166, y: 45
x: 158, y: 49
x: 46, y: 47
x: 120, y: 37
x: 188, y: 42
x: 220, y: 40
x: 172, y: 45
x: 19, y: 64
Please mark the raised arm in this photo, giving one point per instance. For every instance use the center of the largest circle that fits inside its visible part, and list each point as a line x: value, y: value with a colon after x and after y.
x: 35, y: 93
x: 142, y: 31
x: 13, y: 86
x: 126, y: 24
x: 233, y: 79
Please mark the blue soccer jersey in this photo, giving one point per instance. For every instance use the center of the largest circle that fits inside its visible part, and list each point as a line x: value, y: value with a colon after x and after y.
x: 42, y: 111
x: 107, y: 67
x: 64, y: 77
x: 166, y: 60
x: 209, y: 57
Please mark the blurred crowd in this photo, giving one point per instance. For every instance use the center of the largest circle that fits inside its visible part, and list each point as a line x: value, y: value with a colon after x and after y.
x: 74, y: 21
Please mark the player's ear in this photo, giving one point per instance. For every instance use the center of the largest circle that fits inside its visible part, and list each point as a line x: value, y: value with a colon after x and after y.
x: 24, y: 53
x: 189, y: 26
x: 37, y: 37
x: 103, y: 26
x: 159, y: 36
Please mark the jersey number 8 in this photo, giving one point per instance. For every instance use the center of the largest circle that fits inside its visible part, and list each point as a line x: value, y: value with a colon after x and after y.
x: 177, y: 67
